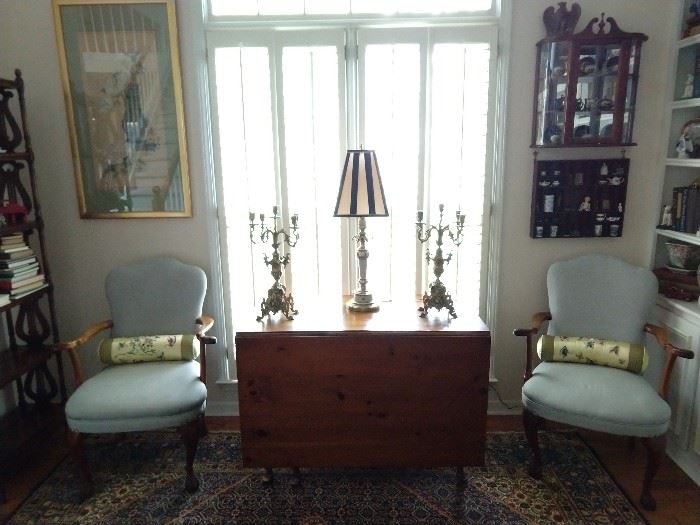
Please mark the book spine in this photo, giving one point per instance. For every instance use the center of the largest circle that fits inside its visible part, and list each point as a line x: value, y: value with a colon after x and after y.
x: 696, y: 76
x: 684, y: 209
x: 677, y: 207
x: 691, y: 224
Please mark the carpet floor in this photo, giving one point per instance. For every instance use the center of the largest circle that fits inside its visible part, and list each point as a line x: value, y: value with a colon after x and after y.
x: 139, y: 480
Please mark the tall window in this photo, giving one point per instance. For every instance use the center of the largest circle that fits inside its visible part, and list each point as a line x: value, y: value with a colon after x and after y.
x: 286, y: 106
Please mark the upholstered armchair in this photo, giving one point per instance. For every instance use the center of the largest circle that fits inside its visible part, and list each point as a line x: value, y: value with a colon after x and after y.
x: 160, y: 296
x: 597, y: 296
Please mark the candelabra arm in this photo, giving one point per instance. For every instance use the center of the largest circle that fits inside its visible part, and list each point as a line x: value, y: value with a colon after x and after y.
x: 277, y: 300
x: 438, y: 297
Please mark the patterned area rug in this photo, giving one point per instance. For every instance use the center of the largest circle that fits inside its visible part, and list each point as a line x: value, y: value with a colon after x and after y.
x: 139, y: 480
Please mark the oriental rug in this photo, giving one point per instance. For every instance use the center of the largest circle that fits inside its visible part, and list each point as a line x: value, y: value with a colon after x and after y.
x: 139, y: 480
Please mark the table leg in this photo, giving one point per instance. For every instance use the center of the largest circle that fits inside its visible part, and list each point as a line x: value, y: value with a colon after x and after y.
x: 460, y: 476
x: 267, y: 476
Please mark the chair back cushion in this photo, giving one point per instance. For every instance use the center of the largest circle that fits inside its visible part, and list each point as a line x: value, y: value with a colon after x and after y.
x: 157, y: 296
x: 601, y: 297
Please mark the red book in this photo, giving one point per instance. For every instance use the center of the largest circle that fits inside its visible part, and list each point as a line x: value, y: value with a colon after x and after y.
x: 10, y: 284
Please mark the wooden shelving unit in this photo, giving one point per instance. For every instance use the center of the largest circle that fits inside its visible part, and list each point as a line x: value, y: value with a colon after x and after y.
x: 30, y: 322
x: 681, y: 318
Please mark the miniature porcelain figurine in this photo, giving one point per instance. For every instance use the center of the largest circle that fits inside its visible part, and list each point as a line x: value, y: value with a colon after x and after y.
x: 688, y: 88
x: 684, y: 147
x: 666, y: 219
x: 586, y: 204
x: 604, y: 169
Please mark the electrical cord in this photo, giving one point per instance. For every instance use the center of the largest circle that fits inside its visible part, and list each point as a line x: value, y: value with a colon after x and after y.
x: 500, y: 399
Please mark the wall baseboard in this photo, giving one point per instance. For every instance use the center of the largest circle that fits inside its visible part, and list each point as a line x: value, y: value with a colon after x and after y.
x: 225, y: 403
x: 222, y: 399
x: 685, y: 459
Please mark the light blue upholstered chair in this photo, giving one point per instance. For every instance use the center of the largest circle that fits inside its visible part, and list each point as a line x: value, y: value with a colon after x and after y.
x: 605, y: 298
x: 160, y: 296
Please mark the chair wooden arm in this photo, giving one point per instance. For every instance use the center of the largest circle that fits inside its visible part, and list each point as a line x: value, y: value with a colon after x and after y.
x: 204, y: 323
x: 672, y: 353
x: 72, y: 346
x: 529, y: 333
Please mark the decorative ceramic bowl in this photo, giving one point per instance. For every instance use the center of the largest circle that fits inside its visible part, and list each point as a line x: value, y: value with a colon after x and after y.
x: 683, y: 256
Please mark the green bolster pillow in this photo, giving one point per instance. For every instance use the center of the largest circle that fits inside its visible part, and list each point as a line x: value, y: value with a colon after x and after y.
x: 592, y: 351
x: 122, y: 350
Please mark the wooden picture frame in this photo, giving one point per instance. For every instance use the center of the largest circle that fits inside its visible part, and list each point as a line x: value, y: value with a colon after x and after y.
x: 120, y: 68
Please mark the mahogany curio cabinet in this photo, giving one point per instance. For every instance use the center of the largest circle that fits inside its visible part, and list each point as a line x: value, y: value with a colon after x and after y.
x: 585, y: 85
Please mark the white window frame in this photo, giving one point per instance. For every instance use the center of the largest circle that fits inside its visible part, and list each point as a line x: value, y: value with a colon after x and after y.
x: 492, y: 27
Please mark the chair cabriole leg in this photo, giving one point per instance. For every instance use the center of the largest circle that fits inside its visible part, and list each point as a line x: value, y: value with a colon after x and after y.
x: 190, y: 435
x: 656, y: 448
x: 76, y: 442
x: 531, y: 422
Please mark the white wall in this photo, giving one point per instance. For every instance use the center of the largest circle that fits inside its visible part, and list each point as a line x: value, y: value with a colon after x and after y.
x: 83, y: 251
x: 524, y: 260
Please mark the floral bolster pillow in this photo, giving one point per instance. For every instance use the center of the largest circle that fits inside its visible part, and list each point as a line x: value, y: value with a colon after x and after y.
x: 589, y: 350
x: 122, y: 350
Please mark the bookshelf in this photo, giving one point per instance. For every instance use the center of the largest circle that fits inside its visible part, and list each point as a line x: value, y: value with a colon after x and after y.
x: 681, y: 318
x: 30, y: 327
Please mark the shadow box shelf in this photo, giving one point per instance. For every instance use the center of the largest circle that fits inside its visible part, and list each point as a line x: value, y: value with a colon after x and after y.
x: 578, y: 198
x: 585, y: 83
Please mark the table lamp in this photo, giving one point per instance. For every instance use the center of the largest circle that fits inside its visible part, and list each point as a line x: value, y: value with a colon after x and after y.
x: 361, y: 195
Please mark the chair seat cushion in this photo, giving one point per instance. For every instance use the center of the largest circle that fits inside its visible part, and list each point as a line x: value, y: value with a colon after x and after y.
x: 135, y: 397
x: 598, y: 398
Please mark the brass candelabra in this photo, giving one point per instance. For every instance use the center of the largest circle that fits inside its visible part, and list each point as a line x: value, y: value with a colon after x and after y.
x: 439, y: 298
x: 277, y: 299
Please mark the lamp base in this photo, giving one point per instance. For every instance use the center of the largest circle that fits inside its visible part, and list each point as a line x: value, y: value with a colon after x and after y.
x: 362, y: 302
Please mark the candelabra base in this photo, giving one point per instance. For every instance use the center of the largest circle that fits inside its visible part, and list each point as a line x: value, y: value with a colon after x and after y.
x: 277, y: 301
x: 438, y: 299
x: 362, y: 302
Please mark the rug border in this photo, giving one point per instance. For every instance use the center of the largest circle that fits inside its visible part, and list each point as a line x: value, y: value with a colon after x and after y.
x: 67, y: 458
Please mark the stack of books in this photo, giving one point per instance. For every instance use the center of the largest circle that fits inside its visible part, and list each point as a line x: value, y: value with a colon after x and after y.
x: 19, y: 269
x: 686, y: 209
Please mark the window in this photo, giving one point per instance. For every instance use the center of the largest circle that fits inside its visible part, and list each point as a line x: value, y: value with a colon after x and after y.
x: 343, y: 7
x: 287, y: 103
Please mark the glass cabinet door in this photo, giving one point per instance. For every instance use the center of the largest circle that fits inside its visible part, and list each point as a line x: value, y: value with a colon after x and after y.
x: 585, y: 87
x: 553, y: 77
x: 596, y: 103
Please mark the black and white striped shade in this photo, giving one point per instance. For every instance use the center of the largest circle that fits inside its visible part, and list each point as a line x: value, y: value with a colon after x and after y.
x: 361, y: 193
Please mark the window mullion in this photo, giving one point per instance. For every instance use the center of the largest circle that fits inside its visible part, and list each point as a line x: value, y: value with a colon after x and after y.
x: 353, y: 115
x: 277, y: 90
x: 423, y: 155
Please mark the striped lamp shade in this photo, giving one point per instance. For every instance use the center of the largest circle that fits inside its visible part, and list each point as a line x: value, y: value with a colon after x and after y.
x: 361, y: 193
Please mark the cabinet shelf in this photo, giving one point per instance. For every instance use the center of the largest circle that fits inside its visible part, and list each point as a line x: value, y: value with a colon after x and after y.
x: 686, y: 103
x: 689, y: 309
x: 21, y: 155
x: 16, y: 362
x: 689, y: 41
x: 683, y: 163
x: 679, y: 236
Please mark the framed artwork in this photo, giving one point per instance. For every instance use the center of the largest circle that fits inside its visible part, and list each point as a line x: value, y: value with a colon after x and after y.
x: 121, y: 78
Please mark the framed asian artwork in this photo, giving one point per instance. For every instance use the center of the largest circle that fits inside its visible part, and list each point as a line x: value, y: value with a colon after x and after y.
x: 120, y: 68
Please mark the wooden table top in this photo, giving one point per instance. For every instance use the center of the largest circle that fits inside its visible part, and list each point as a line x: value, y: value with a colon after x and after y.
x: 325, y: 317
